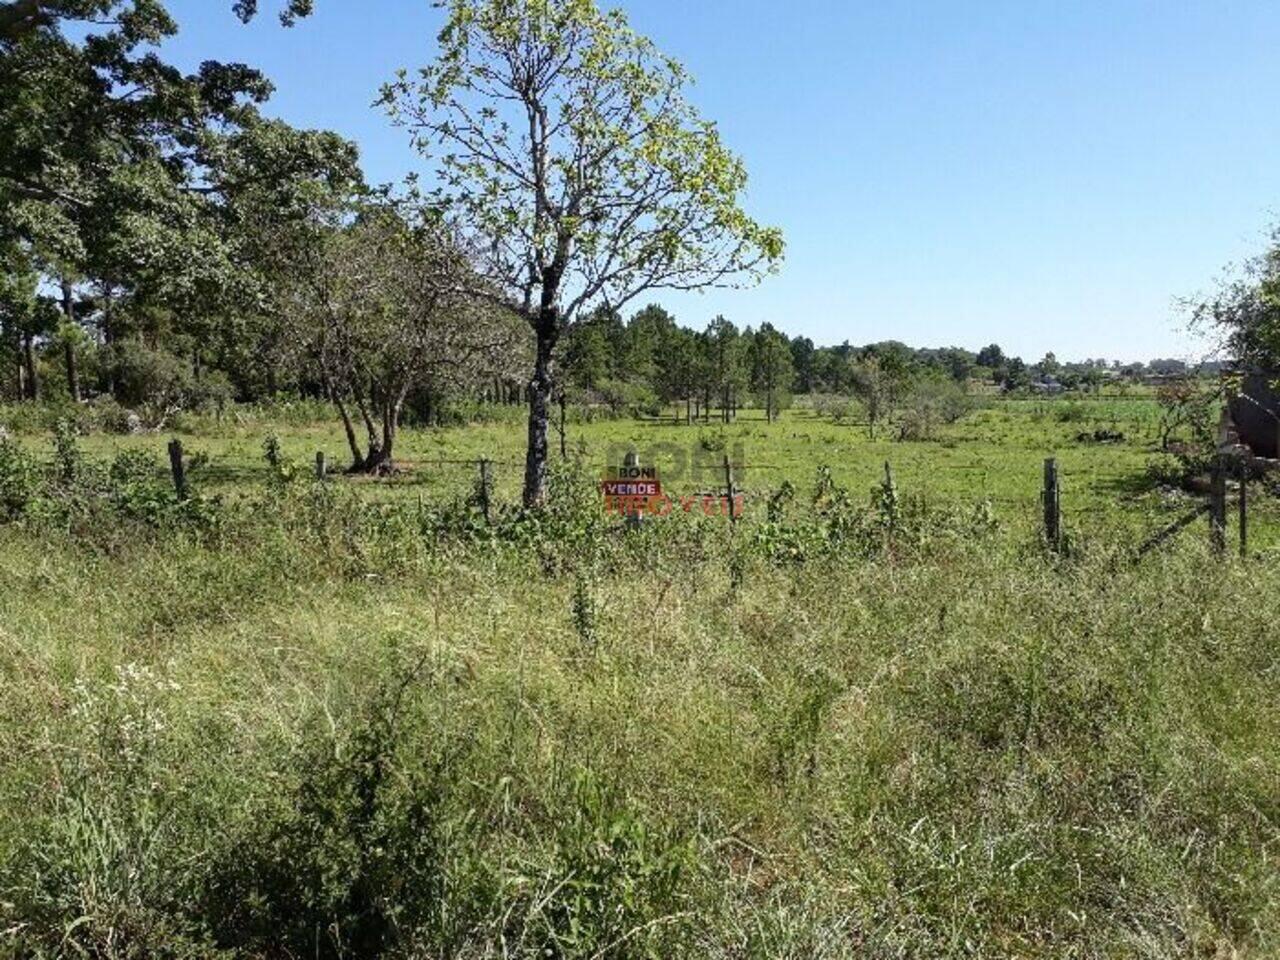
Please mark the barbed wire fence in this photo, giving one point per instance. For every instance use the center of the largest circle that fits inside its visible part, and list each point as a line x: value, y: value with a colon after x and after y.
x: 739, y: 481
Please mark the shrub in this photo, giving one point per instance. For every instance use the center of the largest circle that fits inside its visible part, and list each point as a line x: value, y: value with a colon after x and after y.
x: 353, y: 862
x: 19, y: 479
x: 1071, y: 411
x: 931, y: 404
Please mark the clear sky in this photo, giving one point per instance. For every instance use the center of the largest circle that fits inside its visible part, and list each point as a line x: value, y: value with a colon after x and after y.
x: 1048, y: 175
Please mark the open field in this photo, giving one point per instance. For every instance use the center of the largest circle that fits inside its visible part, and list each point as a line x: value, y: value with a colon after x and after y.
x: 953, y: 635
x: 995, y: 455
x: 300, y: 723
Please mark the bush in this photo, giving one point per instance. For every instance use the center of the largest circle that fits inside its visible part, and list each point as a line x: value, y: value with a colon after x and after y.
x: 834, y: 405
x: 1071, y: 411
x: 356, y: 858
x: 20, y: 479
x: 621, y: 398
x: 931, y: 404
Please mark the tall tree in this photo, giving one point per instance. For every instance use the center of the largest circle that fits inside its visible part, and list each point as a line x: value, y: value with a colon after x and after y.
x: 646, y: 332
x: 24, y: 316
x: 677, y: 369
x: 991, y: 356
x: 803, y: 353
x: 104, y: 161
x: 726, y: 370
x: 772, y: 373
x: 570, y: 157
x: 389, y: 310
x: 875, y: 387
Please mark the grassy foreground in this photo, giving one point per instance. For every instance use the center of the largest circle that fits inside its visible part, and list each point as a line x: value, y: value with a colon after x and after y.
x: 317, y: 728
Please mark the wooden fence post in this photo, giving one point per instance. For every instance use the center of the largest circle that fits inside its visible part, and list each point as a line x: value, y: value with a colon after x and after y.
x: 635, y: 515
x: 889, y: 499
x: 485, y: 504
x: 1052, y: 497
x: 322, y: 468
x: 1218, y: 506
x: 730, y: 491
x: 177, y: 468
x: 1244, y: 508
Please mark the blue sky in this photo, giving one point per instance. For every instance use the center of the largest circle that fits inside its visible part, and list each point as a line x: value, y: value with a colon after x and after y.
x: 1046, y: 175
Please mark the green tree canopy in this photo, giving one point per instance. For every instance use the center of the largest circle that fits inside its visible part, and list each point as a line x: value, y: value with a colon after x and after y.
x: 570, y: 157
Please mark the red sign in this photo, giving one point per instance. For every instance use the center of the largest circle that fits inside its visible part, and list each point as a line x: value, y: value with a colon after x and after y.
x: 631, y: 488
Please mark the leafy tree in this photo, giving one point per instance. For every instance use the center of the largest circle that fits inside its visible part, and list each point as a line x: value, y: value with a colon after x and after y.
x: 1245, y: 311
x: 389, y: 310
x: 586, y: 356
x: 104, y: 162
x: 802, y: 361
x: 1185, y: 403
x: 1049, y: 366
x: 646, y: 334
x: 282, y: 193
x: 875, y: 388
x: 24, y: 315
x: 726, y: 370
x: 678, y: 369
x: 771, y: 369
x: 1013, y: 375
x: 571, y: 160
x: 956, y: 363
x: 991, y: 357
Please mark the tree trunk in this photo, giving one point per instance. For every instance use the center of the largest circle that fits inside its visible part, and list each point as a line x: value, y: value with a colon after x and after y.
x: 33, y: 371
x: 547, y: 330
x: 381, y: 457
x: 374, y: 456
x: 357, y: 458
x: 108, y: 340
x: 68, y: 347
x: 688, y: 410
x: 73, y: 375
x: 390, y: 422
x: 564, y: 449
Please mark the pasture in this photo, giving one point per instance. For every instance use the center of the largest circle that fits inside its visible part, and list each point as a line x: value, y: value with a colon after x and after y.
x: 350, y: 718
x: 1113, y: 488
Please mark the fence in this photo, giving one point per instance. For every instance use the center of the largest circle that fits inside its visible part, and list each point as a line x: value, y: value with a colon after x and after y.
x: 728, y: 486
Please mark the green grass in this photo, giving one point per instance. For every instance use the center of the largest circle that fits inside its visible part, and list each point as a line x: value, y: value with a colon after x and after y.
x: 314, y: 728
x: 996, y: 453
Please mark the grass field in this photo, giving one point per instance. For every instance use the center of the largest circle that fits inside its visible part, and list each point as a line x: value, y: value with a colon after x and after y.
x: 295, y: 724
x: 994, y: 454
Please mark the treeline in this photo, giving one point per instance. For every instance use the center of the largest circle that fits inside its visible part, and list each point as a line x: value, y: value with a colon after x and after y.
x: 165, y: 245
x: 651, y: 360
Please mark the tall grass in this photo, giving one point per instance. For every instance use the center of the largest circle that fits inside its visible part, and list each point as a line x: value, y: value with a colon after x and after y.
x: 313, y: 727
